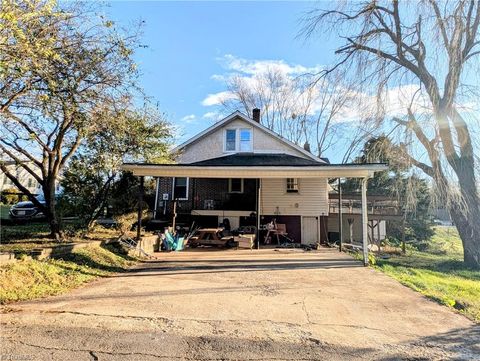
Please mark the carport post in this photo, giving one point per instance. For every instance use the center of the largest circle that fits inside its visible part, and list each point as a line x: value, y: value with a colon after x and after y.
x: 259, y: 199
x: 340, y: 221
x: 364, y: 221
x: 140, y: 206
x: 157, y: 189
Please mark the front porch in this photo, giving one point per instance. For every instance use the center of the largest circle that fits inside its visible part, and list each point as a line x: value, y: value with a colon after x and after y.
x: 308, y: 207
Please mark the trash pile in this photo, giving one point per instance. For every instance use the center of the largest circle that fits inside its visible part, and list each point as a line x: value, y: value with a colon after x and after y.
x: 171, y: 241
x: 243, y: 237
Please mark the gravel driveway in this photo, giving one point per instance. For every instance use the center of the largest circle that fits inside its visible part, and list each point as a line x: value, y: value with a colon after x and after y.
x: 239, y: 305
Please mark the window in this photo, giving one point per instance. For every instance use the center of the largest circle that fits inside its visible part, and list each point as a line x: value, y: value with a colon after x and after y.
x: 180, y: 188
x: 235, y: 185
x: 239, y: 140
x: 245, y: 140
x: 30, y: 182
x: 292, y: 185
x: 230, y: 140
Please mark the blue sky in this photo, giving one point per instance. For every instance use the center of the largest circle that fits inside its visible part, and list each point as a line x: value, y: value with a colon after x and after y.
x: 190, y: 42
x: 192, y: 45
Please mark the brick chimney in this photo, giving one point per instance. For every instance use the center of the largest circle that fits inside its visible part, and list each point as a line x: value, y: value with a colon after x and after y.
x: 306, y: 146
x: 256, y: 115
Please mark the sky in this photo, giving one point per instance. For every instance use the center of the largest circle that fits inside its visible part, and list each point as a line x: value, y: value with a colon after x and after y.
x: 192, y: 45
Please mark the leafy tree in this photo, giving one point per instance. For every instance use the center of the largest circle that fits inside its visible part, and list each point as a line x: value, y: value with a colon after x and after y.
x: 64, y: 72
x: 93, y: 174
x: 433, y: 49
x: 411, y: 192
x: 124, y: 193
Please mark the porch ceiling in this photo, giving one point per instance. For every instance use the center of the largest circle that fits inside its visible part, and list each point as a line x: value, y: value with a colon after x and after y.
x: 195, y: 171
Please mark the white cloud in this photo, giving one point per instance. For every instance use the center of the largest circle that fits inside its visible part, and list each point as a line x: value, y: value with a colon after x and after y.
x: 212, y: 115
x: 252, y: 67
x: 217, y: 98
x: 250, y: 71
x: 189, y: 119
x: 360, y: 106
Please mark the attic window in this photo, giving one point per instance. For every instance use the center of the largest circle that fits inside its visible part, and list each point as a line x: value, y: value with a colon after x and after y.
x: 245, y: 140
x: 292, y: 185
x: 230, y: 140
x: 238, y: 140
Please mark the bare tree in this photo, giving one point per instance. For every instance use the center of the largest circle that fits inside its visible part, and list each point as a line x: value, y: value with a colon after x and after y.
x: 64, y: 70
x: 434, y: 47
x: 299, y: 108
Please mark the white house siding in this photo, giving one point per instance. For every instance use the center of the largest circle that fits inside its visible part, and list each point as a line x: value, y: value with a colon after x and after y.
x: 311, y: 200
x: 212, y: 146
x: 25, y: 178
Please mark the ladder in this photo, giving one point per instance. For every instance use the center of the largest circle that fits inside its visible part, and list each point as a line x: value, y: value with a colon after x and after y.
x: 133, y: 244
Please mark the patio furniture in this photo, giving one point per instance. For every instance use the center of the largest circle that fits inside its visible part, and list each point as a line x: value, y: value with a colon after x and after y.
x: 278, y: 230
x: 210, y: 237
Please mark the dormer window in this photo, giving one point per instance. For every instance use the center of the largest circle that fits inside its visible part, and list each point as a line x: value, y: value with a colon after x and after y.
x: 238, y: 140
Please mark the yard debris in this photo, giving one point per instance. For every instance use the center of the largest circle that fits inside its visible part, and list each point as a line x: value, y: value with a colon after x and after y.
x: 133, y: 245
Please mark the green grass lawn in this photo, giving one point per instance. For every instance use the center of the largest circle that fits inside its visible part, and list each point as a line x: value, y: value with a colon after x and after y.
x: 25, y: 237
x: 29, y: 279
x: 438, y: 272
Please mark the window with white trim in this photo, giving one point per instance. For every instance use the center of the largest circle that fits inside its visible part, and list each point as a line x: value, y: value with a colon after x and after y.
x: 292, y: 185
x: 180, y: 188
x: 230, y: 140
x: 235, y: 185
x: 238, y: 140
x: 245, y: 140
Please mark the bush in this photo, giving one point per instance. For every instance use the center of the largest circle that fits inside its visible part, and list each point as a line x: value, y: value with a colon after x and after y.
x: 127, y: 221
x: 11, y: 196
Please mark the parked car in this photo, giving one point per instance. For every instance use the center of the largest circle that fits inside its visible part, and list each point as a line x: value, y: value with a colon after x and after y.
x: 26, y: 211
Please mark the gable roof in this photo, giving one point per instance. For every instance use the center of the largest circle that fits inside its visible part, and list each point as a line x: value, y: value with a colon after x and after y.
x: 253, y: 123
x: 259, y: 159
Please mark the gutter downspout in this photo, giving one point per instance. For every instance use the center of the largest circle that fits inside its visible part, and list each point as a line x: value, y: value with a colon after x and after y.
x: 364, y: 221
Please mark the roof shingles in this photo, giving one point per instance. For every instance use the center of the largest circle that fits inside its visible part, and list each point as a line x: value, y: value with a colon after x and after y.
x: 258, y: 159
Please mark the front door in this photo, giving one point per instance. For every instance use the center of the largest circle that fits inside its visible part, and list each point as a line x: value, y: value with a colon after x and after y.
x: 310, y: 230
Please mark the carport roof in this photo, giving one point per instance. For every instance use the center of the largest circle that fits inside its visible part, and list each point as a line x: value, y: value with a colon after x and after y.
x: 250, y: 165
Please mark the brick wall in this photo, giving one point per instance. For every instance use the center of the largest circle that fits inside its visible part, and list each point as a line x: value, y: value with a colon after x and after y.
x: 209, y: 192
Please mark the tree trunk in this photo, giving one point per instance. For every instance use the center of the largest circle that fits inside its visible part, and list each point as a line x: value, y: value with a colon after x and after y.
x: 50, y: 211
x: 468, y: 227
x: 55, y: 230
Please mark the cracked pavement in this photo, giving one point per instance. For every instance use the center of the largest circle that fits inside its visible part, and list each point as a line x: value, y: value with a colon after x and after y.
x: 239, y: 305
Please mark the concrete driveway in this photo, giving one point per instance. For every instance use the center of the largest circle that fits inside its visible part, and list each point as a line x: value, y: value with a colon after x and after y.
x: 239, y: 305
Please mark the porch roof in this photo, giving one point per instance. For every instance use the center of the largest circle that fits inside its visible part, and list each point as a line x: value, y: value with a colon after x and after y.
x: 253, y: 170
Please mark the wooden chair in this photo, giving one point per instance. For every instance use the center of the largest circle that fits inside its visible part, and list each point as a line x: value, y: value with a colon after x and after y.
x: 278, y: 230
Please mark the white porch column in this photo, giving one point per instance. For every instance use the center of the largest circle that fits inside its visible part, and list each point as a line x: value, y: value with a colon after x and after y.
x: 259, y: 210
x: 364, y: 221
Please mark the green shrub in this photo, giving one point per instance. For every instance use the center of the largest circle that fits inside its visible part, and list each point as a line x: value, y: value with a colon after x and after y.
x: 11, y: 196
